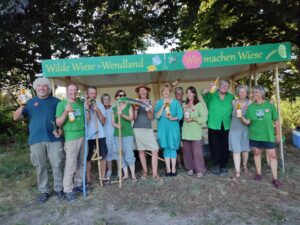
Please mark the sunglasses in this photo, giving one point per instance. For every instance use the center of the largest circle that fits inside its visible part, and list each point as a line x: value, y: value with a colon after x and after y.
x: 122, y: 95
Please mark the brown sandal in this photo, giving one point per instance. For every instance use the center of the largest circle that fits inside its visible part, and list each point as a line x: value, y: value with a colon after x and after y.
x: 245, y: 169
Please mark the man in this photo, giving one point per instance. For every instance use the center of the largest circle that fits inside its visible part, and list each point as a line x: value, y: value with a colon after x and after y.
x: 179, y: 96
x: 219, y: 105
x: 70, y: 116
x: 95, y: 114
x: 45, y: 143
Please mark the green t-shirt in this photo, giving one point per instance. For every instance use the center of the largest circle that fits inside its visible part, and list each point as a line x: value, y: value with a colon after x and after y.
x: 261, y: 118
x: 192, y: 131
x: 72, y: 130
x: 218, y: 110
x: 126, y: 129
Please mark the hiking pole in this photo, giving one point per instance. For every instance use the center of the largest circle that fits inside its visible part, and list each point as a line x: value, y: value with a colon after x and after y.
x: 98, y: 153
x: 120, y: 151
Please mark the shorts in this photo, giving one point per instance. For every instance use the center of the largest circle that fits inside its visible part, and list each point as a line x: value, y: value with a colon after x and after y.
x: 102, y: 148
x: 262, y: 144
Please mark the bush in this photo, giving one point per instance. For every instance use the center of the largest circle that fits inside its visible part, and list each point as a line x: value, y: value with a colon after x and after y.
x: 290, y: 112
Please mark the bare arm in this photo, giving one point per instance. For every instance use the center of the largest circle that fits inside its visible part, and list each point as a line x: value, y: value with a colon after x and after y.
x: 18, y: 113
x: 130, y: 116
x: 61, y: 120
x: 245, y: 121
x: 100, y: 115
x: 159, y: 113
x: 277, y: 129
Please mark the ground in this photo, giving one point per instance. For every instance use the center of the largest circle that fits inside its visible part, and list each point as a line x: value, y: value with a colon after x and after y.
x: 181, y: 200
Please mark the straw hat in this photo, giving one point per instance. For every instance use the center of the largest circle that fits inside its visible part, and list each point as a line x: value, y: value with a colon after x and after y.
x: 142, y: 86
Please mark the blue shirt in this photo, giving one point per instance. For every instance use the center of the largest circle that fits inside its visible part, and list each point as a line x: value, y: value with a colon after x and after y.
x: 92, y: 125
x: 41, y: 114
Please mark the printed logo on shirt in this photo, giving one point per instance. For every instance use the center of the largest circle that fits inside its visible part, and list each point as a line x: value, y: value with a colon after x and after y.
x: 77, y: 113
x: 260, y: 113
x: 36, y: 104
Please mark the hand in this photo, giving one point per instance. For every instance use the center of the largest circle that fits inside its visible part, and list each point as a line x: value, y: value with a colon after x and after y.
x: 118, y: 126
x: 68, y: 108
x: 57, y: 133
x: 87, y: 104
x: 119, y: 112
x: 169, y: 116
x: 188, y: 119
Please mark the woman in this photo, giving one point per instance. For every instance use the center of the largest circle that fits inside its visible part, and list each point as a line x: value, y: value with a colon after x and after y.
x: 219, y: 105
x: 261, y: 116
x: 195, y: 116
x: 109, y: 132
x: 238, y: 133
x: 168, y: 113
x: 143, y: 132
x: 126, y: 116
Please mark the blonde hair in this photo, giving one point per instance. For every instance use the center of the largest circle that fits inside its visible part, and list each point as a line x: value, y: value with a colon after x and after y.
x: 167, y: 86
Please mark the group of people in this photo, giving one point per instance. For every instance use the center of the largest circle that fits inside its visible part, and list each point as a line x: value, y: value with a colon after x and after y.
x: 57, y: 131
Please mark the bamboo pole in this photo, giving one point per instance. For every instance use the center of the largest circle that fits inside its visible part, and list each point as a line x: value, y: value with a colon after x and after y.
x: 149, y: 153
x: 120, y: 151
x: 98, y: 152
x: 279, y: 113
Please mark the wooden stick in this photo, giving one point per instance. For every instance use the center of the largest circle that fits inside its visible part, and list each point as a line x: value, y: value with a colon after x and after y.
x: 149, y: 153
x: 98, y: 153
x: 120, y: 152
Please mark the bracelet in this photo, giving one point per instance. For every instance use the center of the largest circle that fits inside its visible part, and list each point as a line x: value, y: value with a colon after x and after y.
x: 88, y: 110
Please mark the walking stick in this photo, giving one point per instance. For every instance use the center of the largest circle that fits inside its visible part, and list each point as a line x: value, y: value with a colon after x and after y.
x: 98, y: 153
x: 149, y: 153
x: 120, y: 152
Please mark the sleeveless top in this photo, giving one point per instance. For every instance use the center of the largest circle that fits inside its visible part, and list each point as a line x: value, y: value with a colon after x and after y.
x: 236, y: 123
x: 142, y: 120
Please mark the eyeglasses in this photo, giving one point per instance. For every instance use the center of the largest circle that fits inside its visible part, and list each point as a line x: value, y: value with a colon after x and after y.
x: 122, y: 95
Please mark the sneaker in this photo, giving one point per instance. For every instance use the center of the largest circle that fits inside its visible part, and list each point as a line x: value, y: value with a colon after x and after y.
x: 216, y: 171
x: 44, y: 197
x: 79, y: 189
x: 60, y: 195
x: 199, y: 175
x: 70, y: 197
x: 190, y: 172
x: 277, y: 183
x: 258, y: 177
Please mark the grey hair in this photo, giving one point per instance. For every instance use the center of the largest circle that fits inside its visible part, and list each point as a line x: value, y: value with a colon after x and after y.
x: 225, y: 82
x: 105, y: 95
x: 179, y: 89
x: 42, y: 81
x: 242, y: 86
x: 260, y: 89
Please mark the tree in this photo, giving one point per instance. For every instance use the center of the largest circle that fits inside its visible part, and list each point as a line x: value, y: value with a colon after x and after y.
x: 31, y: 31
x: 220, y: 23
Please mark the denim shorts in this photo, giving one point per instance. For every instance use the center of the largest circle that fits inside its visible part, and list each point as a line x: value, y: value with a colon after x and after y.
x: 262, y: 144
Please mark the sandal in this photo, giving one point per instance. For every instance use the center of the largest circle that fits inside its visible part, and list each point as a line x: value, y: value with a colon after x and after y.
x: 245, y: 169
x: 134, y: 180
x: 157, y: 177
x: 144, y: 176
x: 125, y: 178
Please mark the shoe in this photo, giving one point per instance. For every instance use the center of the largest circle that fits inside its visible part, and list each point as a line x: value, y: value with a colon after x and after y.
x: 134, y: 180
x: 199, y: 175
x: 70, y: 197
x: 44, y: 197
x: 245, y: 169
x: 190, y: 172
x: 79, y: 189
x: 277, y: 183
x: 216, y: 171
x: 173, y: 174
x: 224, y: 171
x: 258, y: 177
x: 168, y: 174
x: 60, y: 195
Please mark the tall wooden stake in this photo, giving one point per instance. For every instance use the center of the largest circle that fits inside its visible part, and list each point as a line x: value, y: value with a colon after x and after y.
x: 279, y: 113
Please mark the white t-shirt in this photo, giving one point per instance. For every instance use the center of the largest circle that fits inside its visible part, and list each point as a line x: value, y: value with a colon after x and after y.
x: 92, y: 126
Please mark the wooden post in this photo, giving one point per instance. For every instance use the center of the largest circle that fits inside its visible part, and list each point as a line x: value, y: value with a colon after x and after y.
x: 279, y: 113
x: 53, y: 86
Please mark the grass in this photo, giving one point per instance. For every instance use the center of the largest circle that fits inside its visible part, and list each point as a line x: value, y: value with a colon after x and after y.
x: 180, y: 200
